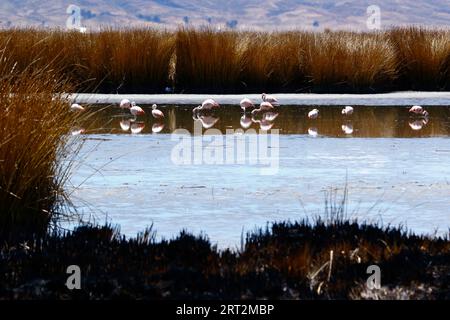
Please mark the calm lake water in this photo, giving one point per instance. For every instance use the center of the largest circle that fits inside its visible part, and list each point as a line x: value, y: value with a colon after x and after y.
x: 395, y: 167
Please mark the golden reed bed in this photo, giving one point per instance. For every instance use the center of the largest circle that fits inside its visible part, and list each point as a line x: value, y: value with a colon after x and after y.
x: 202, y: 61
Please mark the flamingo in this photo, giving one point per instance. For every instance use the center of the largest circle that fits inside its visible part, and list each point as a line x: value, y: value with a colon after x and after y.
x: 264, y: 106
x: 269, y: 98
x: 209, y: 104
x: 416, y: 109
x: 136, y: 110
x: 157, y: 114
x: 76, y: 107
x: 246, y: 103
x: 347, y: 111
x: 313, y: 114
x: 125, y: 104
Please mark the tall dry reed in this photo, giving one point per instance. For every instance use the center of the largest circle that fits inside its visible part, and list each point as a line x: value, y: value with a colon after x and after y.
x: 424, y: 58
x: 34, y: 126
x: 205, y: 60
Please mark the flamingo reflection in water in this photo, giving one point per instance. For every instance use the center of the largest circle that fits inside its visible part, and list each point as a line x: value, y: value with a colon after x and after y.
x: 267, y: 120
x: 313, y: 132
x: 347, y: 128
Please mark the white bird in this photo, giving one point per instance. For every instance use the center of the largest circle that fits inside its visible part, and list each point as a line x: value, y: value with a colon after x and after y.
x: 313, y: 132
x: 416, y: 109
x: 136, y: 110
x: 347, y: 128
x: 264, y: 106
x: 209, y: 104
x: 76, y: 107
x: 313, y: 114
x: 347, y: 111
x: 246, y: 103
x: 125, y: 104
x: 157, y: 114
x: 269, y: 98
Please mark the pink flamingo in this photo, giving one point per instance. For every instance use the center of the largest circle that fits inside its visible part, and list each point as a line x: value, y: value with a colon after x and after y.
x: 313, y: 114
x: 125, y: 104
x: 136, y: 110
x: 207, y: 105
x: 347, y: 111
x: 157, y: 114
x: 246, y: 103
x: 271, y: 99
x: 264, y: 106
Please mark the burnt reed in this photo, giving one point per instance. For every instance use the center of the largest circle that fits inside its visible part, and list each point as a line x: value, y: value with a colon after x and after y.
x: 205, y: 60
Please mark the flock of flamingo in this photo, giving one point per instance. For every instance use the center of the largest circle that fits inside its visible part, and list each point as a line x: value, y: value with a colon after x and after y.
x: 205, y: 114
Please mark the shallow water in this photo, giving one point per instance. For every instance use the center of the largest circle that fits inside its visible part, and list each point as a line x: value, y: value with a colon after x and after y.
x: 394, y: 173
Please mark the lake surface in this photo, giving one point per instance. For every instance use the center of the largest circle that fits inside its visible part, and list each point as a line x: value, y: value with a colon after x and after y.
x: 394, y: 165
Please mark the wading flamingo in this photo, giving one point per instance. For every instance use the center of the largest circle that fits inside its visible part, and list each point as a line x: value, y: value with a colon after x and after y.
x: 347, y: 111
x: 263, y: 107
x: 313, y: 114
x: 416, y: 109
x: 207, y: 105
x: 136, y: 110
x: 157, y: 114
x: 246, y: 103
x: 125, y: 104
x: 271, y: 99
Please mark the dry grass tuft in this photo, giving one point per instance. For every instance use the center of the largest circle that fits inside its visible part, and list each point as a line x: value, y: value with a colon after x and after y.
x: 33, y: 143
x: 205, y: 60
